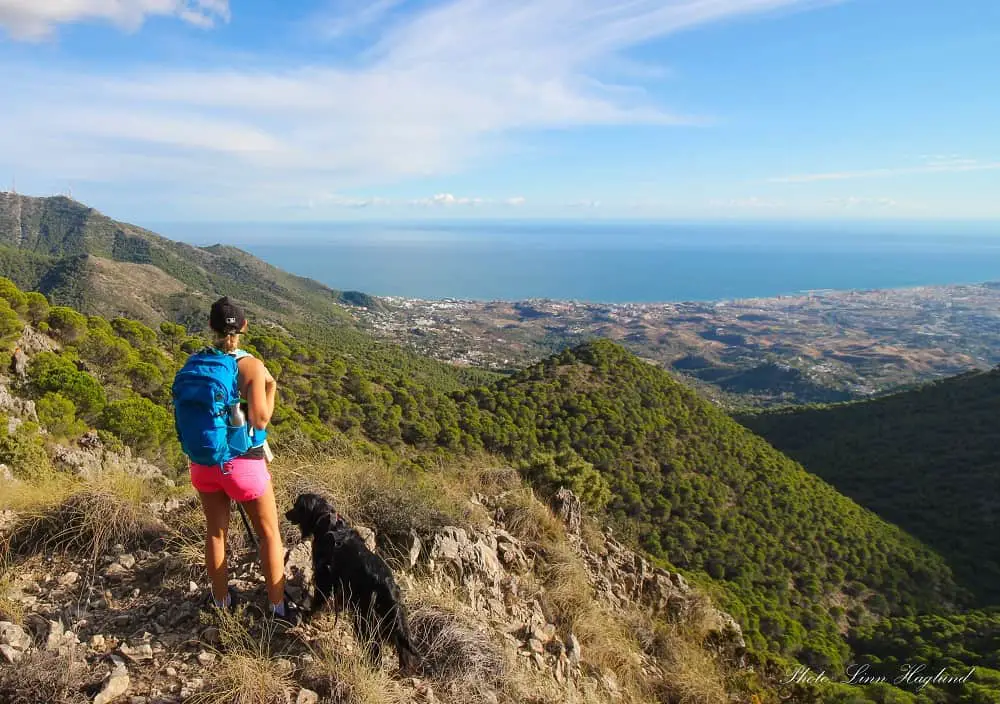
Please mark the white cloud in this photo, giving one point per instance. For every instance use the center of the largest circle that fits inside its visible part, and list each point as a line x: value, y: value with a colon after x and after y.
x: 345, y: 17
x: 750, y: 202
x: 37, y: 19
x: 862, y: 202
x: 449, y: 199
x: 441, y: 88
x: 445, y: 199
x: 936, y: 164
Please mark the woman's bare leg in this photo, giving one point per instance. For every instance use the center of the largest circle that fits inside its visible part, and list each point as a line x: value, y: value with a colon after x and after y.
x: 263, y: 513
x: 216, y: 508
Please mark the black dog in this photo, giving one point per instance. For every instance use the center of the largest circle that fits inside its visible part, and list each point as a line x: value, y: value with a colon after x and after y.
x: 347, y: 573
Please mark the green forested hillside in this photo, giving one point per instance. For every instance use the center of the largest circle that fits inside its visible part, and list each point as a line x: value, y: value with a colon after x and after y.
x: 926, y: 459
x: 692, y: 486
x: 61, y: 247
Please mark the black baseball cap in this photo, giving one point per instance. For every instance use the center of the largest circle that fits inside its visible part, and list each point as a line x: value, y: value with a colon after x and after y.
x: 226, y: 317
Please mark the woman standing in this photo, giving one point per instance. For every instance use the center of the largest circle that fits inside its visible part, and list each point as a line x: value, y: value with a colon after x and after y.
x: 244, y: 479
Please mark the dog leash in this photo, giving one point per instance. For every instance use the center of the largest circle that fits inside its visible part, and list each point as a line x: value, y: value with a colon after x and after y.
x: 250, y: 533
x: 256, y: 545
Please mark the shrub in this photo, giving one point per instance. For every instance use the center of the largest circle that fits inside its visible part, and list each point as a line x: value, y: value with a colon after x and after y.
x: 105, y: 511
x: 550, y: 472
x: 139, y: 422
x: 454, y: 649
x: 45, y: 676
x: 58, y: 414
x: 110, y: 355
x: 146, y: 378
x: 50, y: 372
x: 13, y: 295
x: 247, y: 673
x: 23, y: 451
x: 10, y: 324
x: 135, y: 332
x: 347, y: 678
x: 66, y: 323
x: 38, y: 307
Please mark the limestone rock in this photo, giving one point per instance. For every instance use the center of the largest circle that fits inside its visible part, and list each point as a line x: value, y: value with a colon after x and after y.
x: 139, y: 653
x: 367, y: 535
x: 415, y: 547
x: 307, y: 696
x: 569, y: 509
x: 115, y: 686
x: 32, y: 342
x: 13, y: 635
x: 14, y: 406
x: 573, y: 650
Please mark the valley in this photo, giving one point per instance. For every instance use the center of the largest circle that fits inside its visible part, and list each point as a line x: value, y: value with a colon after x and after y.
x: 813, y: 347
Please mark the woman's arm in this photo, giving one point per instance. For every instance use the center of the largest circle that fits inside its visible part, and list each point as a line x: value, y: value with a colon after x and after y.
x: 260, y: 391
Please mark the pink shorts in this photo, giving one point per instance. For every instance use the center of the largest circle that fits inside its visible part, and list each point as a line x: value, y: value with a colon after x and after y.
x: 243, y: 479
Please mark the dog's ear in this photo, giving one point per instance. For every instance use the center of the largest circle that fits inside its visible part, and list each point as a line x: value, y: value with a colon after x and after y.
x: 297, y: 514
x: 305, y: 514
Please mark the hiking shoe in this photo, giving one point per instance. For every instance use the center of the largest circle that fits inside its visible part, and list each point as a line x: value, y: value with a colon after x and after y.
x: 292, y: 617
x: 235, y: 600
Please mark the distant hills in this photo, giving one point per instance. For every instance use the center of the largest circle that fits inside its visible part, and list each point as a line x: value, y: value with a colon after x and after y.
x: 927, y: 459
x: 80, y: 257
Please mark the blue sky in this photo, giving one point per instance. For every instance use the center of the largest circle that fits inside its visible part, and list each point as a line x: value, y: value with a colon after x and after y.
x: 156, y: 110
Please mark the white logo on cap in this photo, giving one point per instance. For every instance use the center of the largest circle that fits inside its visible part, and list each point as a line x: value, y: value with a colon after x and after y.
x: 231, y: 320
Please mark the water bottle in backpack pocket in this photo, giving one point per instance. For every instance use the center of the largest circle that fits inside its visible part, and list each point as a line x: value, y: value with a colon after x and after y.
x: 204, y: 392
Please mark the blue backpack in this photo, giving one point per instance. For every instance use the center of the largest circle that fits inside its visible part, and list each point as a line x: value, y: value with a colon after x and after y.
x: 204, y: 390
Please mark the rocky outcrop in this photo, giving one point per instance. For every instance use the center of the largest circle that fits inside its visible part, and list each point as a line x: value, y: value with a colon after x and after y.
x: 490, y: 567
x: 135, y: 617
x: 89, y: 459
x: 14, y: 406
x: 14, y: 641
x: 32, y: 342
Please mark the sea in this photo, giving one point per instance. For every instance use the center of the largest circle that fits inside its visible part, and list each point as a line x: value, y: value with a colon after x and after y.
x: 614, y: 261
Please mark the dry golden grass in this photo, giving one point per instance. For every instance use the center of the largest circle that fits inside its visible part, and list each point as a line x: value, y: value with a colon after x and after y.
x: 531, y: 521
x: 246, y: 672
x: 11, y: 608
x: 690, y: 674
x: 569, y: 596
x: 342, y: 677
x: 187, y: 533
x: 390, y: 501
x: 453, y: 647
x: 610, y: 641
x: 88, y: 518
x: 37, y: 496
x: 44, y: 676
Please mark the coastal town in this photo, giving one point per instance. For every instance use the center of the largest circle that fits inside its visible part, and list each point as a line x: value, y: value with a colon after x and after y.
x: 815, y: 346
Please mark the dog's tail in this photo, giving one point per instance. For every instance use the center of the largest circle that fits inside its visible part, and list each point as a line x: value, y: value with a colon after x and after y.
x: 409, y: 662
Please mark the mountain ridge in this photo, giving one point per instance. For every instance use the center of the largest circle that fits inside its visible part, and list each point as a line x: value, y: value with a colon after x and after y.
x: 58, y: 237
